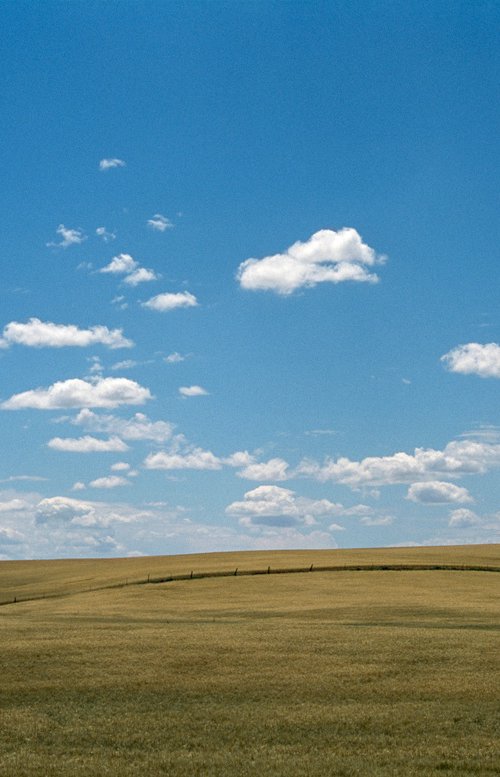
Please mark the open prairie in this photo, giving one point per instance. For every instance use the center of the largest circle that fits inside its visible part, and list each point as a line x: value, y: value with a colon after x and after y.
x: 346, y: 672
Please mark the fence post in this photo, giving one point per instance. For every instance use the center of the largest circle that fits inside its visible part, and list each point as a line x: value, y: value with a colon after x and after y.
x: 236, y: 571
x: 311, y: 568
x: 191, y: 574
x: 269, y: 570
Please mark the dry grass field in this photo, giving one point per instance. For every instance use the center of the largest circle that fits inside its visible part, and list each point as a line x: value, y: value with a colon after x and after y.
x: 330, y: 673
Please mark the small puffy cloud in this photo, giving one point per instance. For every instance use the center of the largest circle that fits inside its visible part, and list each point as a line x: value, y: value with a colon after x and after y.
x: 139, y: 427
x: 87, y: 444
x: 78, y: 486
x: 196, y: 458
x: 463, y: 518
x: 170, y: 301
x: 45, y: 334
x: 437, y: 492
x: 382, y: 520
x: 69, y: 237
x: 274, y: 469
x: 276, y: 506
x: 474, y: 359
x: 239, y: 459
x: 160, y: 223
x: 327, y: 256
x: 75, y: 512
x: 121, y: 264
x: 141, y: 275
x: 120, y: 466
x: 174, y: 358
x: 109, y: 164
x: 193, y: 391
x: 111, y: 481
x: 103, y: 233
x: 103, y: 392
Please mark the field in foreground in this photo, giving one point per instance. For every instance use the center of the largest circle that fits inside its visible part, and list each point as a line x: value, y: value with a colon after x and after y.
x: 345, y: 673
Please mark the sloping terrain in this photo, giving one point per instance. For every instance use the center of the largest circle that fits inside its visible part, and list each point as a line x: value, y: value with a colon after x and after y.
x: 347, y: 673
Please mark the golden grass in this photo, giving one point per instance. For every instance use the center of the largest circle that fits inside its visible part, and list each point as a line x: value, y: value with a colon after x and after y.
x: 352, y: 673
x: 29, y: 579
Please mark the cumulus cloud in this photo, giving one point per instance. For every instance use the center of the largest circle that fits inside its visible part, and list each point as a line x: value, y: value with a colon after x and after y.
x: 120, y: 265
x: 170, y: 301
x: 463, y: 518
x: 160, y: 223
x: 474, y: 359
x: 103, y: 392
x: 120, y: 466
x: 45, y: 334
x: 111, y: 481
x: 12, y: 505
x: 141, y: 275
x: 196, y: 458
x: 276, y: 506
x: 103, y: 233
x: 274, y: 469
x: 459, y: 457
x: 139, y: 427
x: 437, y: 492
x: 327, y: 256
x: 174, y: 358
x: 193, y: 391
x: 109, y: 164
x: 69, y: 237
x: 87, y: 444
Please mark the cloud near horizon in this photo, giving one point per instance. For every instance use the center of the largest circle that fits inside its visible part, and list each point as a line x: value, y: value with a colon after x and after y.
x: 328, y: 256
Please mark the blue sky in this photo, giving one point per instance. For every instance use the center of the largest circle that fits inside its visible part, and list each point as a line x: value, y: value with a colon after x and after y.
x: 250, y: 276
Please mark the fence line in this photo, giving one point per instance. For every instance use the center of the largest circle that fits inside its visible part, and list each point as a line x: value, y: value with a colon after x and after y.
x: 252, y: 572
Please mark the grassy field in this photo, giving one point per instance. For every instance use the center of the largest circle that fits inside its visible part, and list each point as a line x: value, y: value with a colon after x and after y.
x: 345, y: 673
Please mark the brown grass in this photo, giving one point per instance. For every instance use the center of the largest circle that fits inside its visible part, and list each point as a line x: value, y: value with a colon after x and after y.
x: 352, y: 673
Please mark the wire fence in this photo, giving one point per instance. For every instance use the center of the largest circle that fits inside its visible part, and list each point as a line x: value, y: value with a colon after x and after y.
x: 237, y: 572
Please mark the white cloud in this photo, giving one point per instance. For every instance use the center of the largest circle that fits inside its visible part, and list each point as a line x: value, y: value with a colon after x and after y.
x: 105, y: 234
x: 69, y: 237
x: 10, y: 536
x: 45, y: 334
x: 103, y: 392
x: 139, y: 427
x: 87, y: 444
x: 383, y: 520
x: 64, y: 509
x: 437, y: 492
x: 141, y: 275
x: 463, y: 518
x: 120, y: 265
x: 195, y: 458
x: 111, y: 481
x: 276, y: 506
x: 462, y: 457
x: 327, y: 256
x: 274, y: 469
x: 78, y: 486
x: 174, y: 358
x: 193, y: 391
x: 126, y: 364
x: 171, y: 301
x: 160, y: 223
x: 109, y: 164
x: 120, y: 466
x: 474, y: 359
x: 12, y: 505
